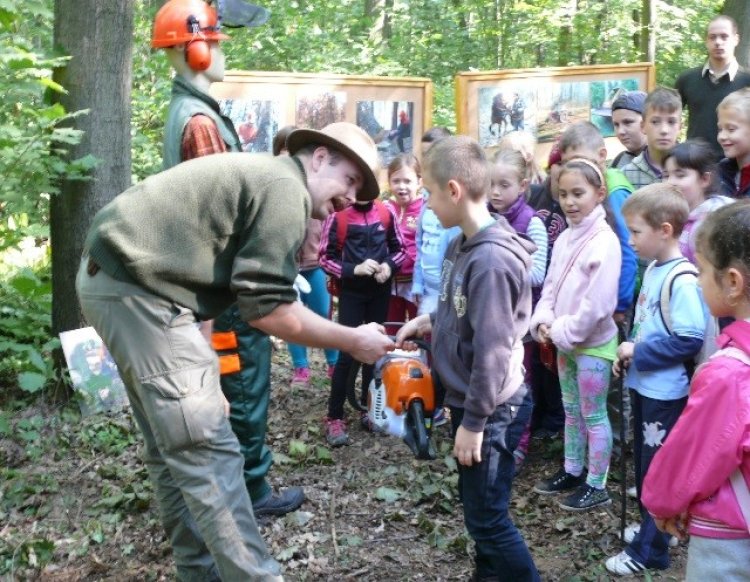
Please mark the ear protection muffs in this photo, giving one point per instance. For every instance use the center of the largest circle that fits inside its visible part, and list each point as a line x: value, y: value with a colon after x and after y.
x: 197, y: 50
x: 198, y: 55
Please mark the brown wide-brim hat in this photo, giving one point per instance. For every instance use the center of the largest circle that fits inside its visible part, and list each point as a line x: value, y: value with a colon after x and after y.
x: 352, y: 142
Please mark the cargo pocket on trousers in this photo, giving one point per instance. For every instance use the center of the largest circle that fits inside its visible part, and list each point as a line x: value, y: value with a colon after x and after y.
x: 184, y: 407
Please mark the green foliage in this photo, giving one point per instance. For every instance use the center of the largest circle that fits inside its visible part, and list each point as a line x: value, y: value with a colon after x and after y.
x: 106, y: 435
x: 25, y: 328
x: 34, y: 135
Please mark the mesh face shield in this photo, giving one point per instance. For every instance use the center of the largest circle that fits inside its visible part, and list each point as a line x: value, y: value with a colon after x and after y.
x: 238, y: 14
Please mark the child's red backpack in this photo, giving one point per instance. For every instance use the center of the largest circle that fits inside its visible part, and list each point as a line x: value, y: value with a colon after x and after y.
x: 333, y: 284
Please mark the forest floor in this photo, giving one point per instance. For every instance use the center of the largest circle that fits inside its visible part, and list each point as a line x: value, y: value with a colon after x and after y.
x: 75, y: 503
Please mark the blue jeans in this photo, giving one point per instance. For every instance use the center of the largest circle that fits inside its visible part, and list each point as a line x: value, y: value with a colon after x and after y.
x: 652, y: 422
x: 319, y: 301
x: 501, y: 552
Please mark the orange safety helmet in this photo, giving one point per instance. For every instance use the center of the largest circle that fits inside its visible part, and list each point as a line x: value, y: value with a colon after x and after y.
x: 190, y: 22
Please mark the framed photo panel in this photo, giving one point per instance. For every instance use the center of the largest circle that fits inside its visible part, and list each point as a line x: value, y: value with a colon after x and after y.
x: 491, y: 104
x: 394, y: 111
x: 93, y: 372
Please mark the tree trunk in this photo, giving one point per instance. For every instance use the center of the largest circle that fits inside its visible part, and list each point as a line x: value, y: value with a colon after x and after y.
x: 740, y: 11
x: 98, y: 36
x: 648, y: 25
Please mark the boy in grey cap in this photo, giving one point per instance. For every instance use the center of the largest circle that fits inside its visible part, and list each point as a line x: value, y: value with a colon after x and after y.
x: 627, y: 117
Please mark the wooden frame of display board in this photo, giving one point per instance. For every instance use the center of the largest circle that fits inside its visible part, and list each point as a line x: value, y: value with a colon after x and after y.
x: 395, y: 111
x: 490, y: 104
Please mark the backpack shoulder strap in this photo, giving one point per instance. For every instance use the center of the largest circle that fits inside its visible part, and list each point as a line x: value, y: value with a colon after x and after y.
x: 680, y: 268
x: 383, y: 214
x: 734, y: 353
x: 342, y: 224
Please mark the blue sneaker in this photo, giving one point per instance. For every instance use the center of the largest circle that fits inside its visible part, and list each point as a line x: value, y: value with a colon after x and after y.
x: 439, y: 417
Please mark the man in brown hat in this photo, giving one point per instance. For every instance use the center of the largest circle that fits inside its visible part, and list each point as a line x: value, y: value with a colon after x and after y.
x: 180, y: 247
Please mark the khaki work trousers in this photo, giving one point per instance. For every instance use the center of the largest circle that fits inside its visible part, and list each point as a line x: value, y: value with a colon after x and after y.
x: 193, y: 457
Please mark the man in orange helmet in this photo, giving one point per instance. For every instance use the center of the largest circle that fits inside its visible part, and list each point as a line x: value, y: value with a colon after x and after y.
x: 189, y: 32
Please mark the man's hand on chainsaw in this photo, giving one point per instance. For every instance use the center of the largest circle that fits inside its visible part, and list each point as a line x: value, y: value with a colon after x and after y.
x: 371, y: 343
x: 468, y: 447
x: 417, y: 327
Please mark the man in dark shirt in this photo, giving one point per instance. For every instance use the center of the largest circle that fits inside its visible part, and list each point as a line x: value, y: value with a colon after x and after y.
x: 703, y: 88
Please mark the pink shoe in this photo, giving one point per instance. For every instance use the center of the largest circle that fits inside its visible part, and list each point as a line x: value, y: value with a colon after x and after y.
x: 301, y: 376
x: 336, y: 434
x: 331, y: 368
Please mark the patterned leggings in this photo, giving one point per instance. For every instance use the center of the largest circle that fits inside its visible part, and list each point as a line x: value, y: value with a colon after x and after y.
x: 584, y: 381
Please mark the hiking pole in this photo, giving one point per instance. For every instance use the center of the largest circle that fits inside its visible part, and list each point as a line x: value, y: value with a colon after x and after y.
x: 623, y: 420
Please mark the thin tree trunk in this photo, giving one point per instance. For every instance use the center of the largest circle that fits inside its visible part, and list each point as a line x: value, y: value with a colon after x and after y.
x: 98, y: 36
x: 740, y: 11
x: 648, y: 26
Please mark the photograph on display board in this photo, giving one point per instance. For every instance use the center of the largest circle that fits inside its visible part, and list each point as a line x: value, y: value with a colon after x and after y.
x: 316, y: 108
x: 506, y: 107
x: 389, y: 123
x: 93, y: 372
x: 560, y: 105
x: 543, y: 102
x: 256, y: 122
x: 603, y: 94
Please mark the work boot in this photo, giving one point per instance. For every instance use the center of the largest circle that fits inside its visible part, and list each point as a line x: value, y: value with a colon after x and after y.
x: 279, y: 504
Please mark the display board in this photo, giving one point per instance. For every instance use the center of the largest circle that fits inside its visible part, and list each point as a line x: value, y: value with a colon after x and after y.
x: 392, y: 110
x: 490, y: 104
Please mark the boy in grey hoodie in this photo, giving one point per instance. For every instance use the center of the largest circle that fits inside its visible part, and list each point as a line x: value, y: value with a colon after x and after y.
x: 482, y: 315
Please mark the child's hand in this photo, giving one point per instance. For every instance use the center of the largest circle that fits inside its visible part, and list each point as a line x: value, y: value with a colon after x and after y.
x: 619, y: 367
x: 676, y: 526
x: 419, y: 327
x: 383, y: 273
x: 625, y: 351
x: 468, y: 447
x: 367, y: 268
x: 543, y: 332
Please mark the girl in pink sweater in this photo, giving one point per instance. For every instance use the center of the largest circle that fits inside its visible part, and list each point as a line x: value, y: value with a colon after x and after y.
x: 405, y: 184
x: 575, y: 314
x: 698, y: 481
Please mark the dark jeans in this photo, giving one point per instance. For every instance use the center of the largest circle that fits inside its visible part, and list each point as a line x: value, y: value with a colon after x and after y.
x: 501, y: 552
x: 355, y: 309
x: 653, y: 420
x: 548, y: 408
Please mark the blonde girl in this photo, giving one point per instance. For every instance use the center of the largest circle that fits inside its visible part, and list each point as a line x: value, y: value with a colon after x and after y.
x: 698, y: 481
x: 691, y: 167
x: 508, y: 199
x: 405, y: 185
x: 575, y: 314
x: 525, y: 143
x: 734, y: 139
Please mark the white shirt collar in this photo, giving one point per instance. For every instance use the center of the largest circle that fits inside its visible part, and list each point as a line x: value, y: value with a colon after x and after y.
x: 731, y: 69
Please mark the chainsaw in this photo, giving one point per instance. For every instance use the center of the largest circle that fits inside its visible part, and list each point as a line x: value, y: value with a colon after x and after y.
x: 401, y: 399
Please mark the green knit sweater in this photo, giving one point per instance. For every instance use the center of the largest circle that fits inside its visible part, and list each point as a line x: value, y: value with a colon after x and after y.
x: 208, y: 232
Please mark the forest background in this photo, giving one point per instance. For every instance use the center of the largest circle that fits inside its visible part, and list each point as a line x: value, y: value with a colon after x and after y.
x: 84, y: 98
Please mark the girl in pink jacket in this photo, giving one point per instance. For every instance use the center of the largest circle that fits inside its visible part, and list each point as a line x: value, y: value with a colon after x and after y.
x: 575, y: 314
x: 405, y: 184
x: 698, y: 481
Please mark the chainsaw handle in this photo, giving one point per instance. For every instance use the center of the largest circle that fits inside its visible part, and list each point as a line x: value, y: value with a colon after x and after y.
x: 421, y: 343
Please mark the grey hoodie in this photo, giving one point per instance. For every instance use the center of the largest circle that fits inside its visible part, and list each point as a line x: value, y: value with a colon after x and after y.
x: 483, y: 313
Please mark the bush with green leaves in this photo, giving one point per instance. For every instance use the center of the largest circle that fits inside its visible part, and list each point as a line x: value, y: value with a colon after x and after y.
x: 25, y: 323
x: 34, y: 134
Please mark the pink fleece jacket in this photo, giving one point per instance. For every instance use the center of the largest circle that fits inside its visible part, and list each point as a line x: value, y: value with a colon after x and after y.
x: 710, y: 440
x: 407, y: 218
x: 577, y: 303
